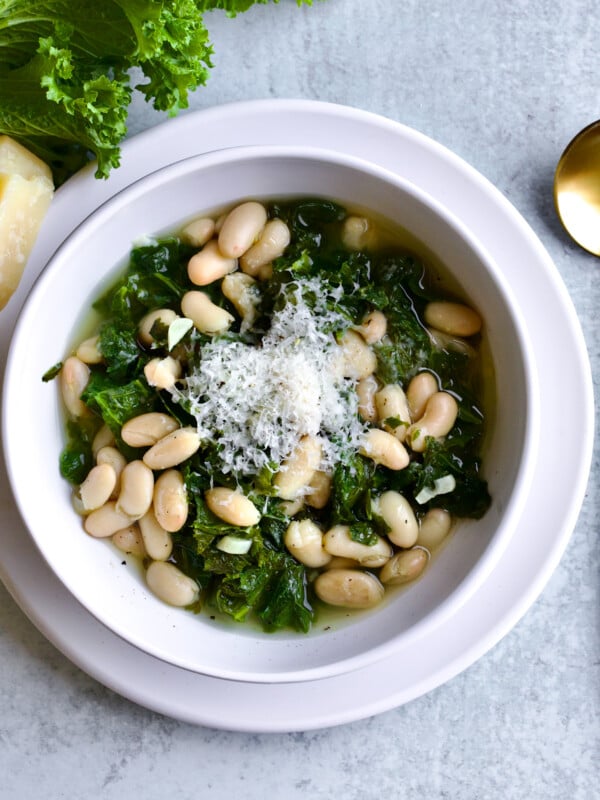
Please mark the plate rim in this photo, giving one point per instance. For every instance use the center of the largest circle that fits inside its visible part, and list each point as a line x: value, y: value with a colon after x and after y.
x: 347, y: 115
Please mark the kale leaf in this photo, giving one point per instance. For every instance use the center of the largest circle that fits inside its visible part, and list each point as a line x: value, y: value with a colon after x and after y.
x: 363, y: 533
x: 237, y: 594
x: 117, y: 403
x: 120, y: 350
x: 76, y: 458
x: 286, y: 604
x: 350, y: 487
x: 273, y: 588
x: 52, y: 372
x: 66, y: 88
x: 470, y: 497
x: 156, y: 277
x: 66, y: 69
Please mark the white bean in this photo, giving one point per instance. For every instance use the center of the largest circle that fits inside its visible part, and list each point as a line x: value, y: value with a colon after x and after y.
x: 455, y: 319
x: 241, y: 228
x: 356, y: 233
x: 392, y: 410
x: 88, y: 351
x: 137, y: 488
x: 157, y: 542
x: 219, y: 222
x: 265, y: 273
x: 366, y: 389
x: 319, y: 489
x: 170, y: 501
x: 360, y: 233
x: 298, y: 469
x: 292, y: 507
x: 207, y: 317
x: 173, y: 449
x: 373, y: 327
x: 106, y: 520
x: 404, y: 566
x: 97, y: 487
x: 77, y: 503
x: 198, y: 231
x: 163, y: 315
x: 129, y: 540
x: 304, y: 540
x: 349, y: 588
x: 74, y: 377
x: 383, y: 448
x: 240, y: 290
x: 337, y: 542
x: 338, y: 562
x: 162, y: 373
x: 209, y: 265
x: 110, y: 455
x: 434, y: 527
x: 418, y: 392
x: 453, y: 344
x: 271, y: 244
x: 170, y: 584
x: 146, y: 430
x: 438, y: 419
x: 232, y: 507
x: 103, y: 438
x: 395, y: 510
x: 358, y: 360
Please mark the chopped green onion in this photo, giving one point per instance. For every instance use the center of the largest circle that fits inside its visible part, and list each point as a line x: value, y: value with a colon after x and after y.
x: 234, y: 545
x: 177, y: 330
x: 443, y: 485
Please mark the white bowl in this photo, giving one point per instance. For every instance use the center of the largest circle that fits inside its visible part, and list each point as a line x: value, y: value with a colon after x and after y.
x: 33, y: 431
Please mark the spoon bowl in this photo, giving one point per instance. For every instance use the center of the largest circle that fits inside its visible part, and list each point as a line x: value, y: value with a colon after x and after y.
x: 577, y: 188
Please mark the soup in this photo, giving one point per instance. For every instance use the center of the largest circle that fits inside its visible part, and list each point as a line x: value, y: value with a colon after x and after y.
x: 279, y: 410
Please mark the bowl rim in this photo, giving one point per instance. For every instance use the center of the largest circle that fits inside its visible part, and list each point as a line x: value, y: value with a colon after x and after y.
x: 149, y: 182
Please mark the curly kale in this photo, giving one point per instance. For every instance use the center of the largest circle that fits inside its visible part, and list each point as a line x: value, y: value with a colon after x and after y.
x: 66, y: 66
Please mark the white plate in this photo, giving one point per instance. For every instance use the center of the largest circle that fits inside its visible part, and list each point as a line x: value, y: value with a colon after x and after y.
x: 440, y: 654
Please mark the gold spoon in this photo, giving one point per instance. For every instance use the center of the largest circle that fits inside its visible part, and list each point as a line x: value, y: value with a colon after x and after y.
x: 577, y: 188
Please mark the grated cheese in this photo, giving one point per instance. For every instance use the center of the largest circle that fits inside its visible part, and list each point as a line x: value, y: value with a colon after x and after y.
x: 256, y: 402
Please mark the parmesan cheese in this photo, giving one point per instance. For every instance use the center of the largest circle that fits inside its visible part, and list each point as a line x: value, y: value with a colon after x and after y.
x: 26, y: 189
x: 257, y: 401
